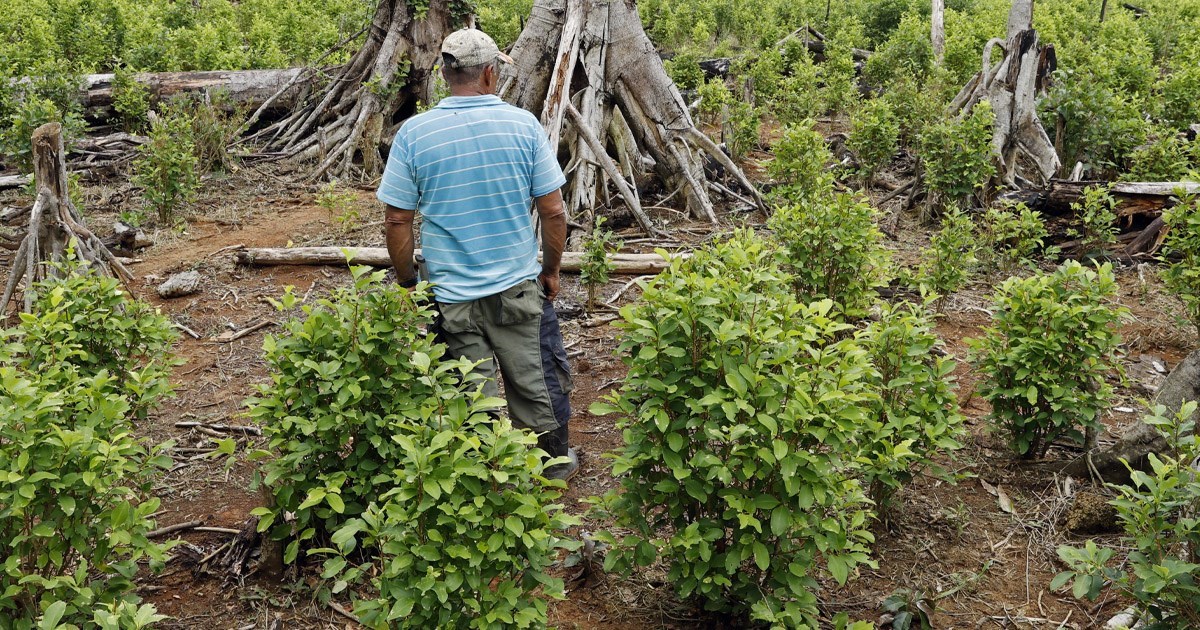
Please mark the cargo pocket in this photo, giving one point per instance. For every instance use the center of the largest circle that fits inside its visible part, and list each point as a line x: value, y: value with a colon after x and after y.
x: 520, y: 304
x: 455, y: 318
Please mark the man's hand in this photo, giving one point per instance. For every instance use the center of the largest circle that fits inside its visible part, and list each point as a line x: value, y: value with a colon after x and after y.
x: 554, y: 239
x: 549, y: 284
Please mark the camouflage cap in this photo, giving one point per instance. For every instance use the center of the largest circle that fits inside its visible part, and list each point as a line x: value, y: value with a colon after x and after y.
x: 471, y: 47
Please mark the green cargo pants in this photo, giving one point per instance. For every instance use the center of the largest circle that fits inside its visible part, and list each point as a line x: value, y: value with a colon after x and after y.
x: 517, y: 329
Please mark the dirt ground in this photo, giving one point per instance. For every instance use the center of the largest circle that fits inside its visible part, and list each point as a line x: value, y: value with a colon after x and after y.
x: 981, y: 561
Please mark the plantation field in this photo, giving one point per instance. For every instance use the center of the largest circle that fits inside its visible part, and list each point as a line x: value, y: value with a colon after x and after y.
x: 853, y: 405
x: 986, y: 559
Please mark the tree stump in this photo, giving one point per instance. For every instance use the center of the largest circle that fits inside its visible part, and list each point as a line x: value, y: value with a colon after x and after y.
x: 626, y: 117
x: 1019, y: 142
x: 55, y: 225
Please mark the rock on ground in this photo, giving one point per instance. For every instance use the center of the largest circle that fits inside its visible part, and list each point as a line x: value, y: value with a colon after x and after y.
x: 180, y: 284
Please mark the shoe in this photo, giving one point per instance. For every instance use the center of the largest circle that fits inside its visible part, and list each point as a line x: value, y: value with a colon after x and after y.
x: 565, y: 471
x: 555, y: 444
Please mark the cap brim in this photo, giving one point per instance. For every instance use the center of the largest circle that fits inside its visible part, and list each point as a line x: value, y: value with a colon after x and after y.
x: 505, y: 58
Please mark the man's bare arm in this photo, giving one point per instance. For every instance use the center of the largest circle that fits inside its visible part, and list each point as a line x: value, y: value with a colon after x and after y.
x: 554, y: 239
x: 398, y: 230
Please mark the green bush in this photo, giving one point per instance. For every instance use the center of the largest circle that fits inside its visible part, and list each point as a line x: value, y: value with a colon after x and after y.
x: 166, y: 167
x: 1010, y: 237
x: 715, y: 98
x: 131, y: 99
x: 1167, y: 157
x: 1101, y: 126
x: 685, y: 72
x: 1158, y: 513
x: 949, y: 261
x: 1097, y: 229
x: 799, y: 97
x: 215, y: 122
x: 914, y: 107
x: 956, y: 156
x: 1044, y: 359
x: 1181, y: 251
x: 916, y: 419
x: 76, y: 496
x: 874, y: 137
x: 469, y: 527
x: 596, y: 266
x: 907, y: 53
x: 801, y: 162
x: 741, y: 128
x: 739, y: 415
x: 833, y: 250
x: 28, y: 112
x: 87, y: 321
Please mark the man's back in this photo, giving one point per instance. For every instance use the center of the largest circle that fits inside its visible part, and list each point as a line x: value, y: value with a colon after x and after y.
x: 469, y: 167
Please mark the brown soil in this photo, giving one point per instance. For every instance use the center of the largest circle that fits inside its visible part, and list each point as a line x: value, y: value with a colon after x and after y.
x: 985, y: 566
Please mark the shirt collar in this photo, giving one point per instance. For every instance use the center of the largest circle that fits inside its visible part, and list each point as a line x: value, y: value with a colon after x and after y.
x: 466, y: 102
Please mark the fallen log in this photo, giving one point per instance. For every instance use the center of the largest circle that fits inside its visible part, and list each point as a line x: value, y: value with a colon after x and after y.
x: 251, y: 88
x: 14, y: 181
x: 1139, y: 440
x: 1133, y: 198
x: 629, y: 264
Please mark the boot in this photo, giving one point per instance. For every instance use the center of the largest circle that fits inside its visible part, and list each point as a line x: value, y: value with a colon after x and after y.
x: 555, y: 444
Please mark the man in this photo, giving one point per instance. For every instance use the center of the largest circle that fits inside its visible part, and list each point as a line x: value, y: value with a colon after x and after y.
x: 469, y: 167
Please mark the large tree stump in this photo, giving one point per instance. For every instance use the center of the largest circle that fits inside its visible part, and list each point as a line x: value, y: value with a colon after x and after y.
x: 1019, y: 142
x: 54, y: 226
x: 344, y: 125
x: 625, y: 116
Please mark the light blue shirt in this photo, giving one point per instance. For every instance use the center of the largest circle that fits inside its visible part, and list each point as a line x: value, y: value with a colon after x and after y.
x: 469, y: 167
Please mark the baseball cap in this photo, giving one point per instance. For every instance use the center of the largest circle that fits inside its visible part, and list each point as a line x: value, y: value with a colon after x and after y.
x: 472, y: 47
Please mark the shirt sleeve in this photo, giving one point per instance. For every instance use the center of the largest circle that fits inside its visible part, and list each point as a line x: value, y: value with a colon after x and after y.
x: 398, y: 188
x: 547, y: 174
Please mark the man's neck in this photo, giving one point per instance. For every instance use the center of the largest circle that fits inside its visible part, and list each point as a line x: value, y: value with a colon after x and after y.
x: 468, y: 91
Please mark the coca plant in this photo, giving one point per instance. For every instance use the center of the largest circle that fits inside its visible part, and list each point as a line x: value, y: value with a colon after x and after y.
x: 1045, y: 358
x: 389, y: 460
x: 740, y: 417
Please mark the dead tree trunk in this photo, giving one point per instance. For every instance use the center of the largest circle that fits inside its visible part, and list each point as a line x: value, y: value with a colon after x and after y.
x: 937, y: 30
x: 626, y: 116
x: 54, y: 224
x: 1020, y: 142
x: 250, y: 88
x: 344, y: 124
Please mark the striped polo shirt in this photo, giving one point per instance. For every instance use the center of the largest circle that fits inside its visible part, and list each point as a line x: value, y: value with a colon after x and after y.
x: 469, y: 167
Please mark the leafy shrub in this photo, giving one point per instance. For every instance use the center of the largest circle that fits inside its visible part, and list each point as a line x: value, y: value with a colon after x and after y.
x: 337, y: 395
x: 596, y: 267
x: 832, y: 249
x: 907, y: 53
x: 741, y: 128
x: 916, y: 418
x: 166, y: 166
x: 715, y: 97
x: 1010, y: 237
x: 799, y: 97
x: 130, y: 99
x: 1167, y: 157
x: 340, y: 204
x: 914, y: 107
x: 956, y: 155
x: 765, y: 73
x: 1100, y: 125
x: 87, y: 321
x: 739, y: 415
x: 874, y: 136
x: 1157, y: 511
x: 216, y: 120
x: 838, y: 75
x: 950, y: 260
x: 469, y: 526
x: 1181, y: 247
x: 685, y: 72
x: 29, y: 113
x: 77, y: 502
x: 801, y: 162
x: 1044, y: 359
x: 1097, y: 229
